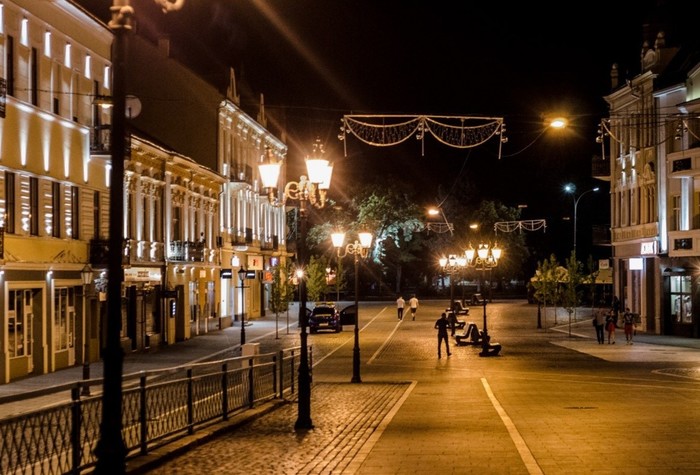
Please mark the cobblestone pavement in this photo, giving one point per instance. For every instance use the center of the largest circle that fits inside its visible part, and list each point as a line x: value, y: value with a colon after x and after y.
x: 345, y: 417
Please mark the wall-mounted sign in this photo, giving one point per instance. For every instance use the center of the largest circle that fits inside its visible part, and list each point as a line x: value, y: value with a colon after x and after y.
x: 255, y: 262
x: 226, y: 274
x: 142, y: 274
x: 267, y: 277
x: 636, y: 263
x: 603, y: 264
x: 649, y: 248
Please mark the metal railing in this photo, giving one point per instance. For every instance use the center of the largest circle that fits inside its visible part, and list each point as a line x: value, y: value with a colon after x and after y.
x: 158, y: 407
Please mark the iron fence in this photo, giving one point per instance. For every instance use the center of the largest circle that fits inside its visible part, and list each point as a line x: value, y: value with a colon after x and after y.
x: 158, y: 407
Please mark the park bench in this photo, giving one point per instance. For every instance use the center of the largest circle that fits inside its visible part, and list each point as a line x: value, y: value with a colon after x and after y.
x: 459, y: 308
x: 470, y: 336
x: 488, y: 348
x: 452, y: 318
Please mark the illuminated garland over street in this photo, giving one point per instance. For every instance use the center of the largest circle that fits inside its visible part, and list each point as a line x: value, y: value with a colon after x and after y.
x: 527, y: 225
x: 453, y: 131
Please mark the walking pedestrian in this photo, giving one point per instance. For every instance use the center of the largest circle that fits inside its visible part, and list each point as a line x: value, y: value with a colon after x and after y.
x: 400, y: 302
x: 628, y: 322
x: 600, y: 326
x: 413, y: 303
x: 616, y: 307
x: 610, y: 327
x: 441, y: 325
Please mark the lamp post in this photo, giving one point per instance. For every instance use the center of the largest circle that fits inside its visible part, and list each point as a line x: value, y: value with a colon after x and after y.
x: 241, y: 277
x: 483, y: 258
x: 86, y: 276
x: 110, y: 449
x: 359, y: 248
x: 571, y: 188
x: 452, y: 265
x: 305, y: 191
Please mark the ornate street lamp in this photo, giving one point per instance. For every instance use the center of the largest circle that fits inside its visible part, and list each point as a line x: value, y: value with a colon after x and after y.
x: 359, y: 248
x: 86, y: 276
x: 241, y: 277
x: 452, y: 265
x: 483, y: 258
x: 311, y: 189
x: 571, y: 189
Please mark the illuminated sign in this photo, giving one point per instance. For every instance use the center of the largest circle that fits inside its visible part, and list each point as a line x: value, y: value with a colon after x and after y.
x: 648, y: 248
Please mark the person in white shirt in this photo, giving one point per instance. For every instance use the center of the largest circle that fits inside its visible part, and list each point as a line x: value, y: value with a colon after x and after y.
x: 400, y: 302
x: 413, y: 303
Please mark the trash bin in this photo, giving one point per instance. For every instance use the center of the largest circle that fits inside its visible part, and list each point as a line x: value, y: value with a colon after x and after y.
x: 250, y: 349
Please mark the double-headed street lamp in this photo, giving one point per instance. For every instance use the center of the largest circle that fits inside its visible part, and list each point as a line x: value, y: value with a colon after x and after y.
x: 311, y: 189
x: 571, y: 188
x: 357, y: 249
x: 483, y: 258
x: 452, y: 265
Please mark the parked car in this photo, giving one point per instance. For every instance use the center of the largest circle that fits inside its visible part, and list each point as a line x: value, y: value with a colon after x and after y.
x: 347, y: 315
x: 325, y: 316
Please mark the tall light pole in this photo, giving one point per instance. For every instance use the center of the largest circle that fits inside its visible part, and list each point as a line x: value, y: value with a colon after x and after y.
x: 452, y: 265
x: 305, y: 191
x: 241, y: 277
x: 110, y: 449
x: 483, y: 258
x: 359, y: 248
x: 86, y: 276
x: 571, y: 188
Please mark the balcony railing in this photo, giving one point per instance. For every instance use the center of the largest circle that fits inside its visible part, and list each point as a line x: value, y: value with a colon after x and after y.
x: 186, y: 251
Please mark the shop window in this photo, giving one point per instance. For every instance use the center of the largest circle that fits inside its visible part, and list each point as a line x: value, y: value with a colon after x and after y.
x: 681, y: 303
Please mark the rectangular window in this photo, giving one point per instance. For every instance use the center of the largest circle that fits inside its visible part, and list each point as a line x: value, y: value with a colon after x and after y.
x: 10, y: 203
x: 20, y: 306
x: 56, y: 209
x: 10, y: 65
x: 16, y: 324
x: 34, y: 78
x: 681, y: 307
x: 75, y: 212
x: 96, y: 215
x: 33, y: 206
x: 64, y: 314
x: 676, y: 213
x: 177, y: 223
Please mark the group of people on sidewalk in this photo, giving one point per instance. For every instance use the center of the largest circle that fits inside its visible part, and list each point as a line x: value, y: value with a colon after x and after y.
x: 607, y: 321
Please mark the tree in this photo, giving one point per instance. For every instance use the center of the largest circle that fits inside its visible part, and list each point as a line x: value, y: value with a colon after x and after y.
x: 316, y: 283
x: 571, y: 293
x: 281, y: 294
x: 545, y: 283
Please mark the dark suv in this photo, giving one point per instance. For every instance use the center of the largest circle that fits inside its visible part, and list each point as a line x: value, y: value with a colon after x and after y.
x: 325, y: 316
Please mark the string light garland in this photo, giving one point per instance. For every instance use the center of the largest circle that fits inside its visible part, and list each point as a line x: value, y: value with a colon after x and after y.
x: 454, y: 131
x: 527, y: 225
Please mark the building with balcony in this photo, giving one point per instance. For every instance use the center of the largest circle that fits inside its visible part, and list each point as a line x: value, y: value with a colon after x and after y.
x: 53, y: 192
x: 653, y: 137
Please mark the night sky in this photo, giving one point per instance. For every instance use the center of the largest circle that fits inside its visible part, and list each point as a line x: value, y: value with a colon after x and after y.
x: 316, y: 60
